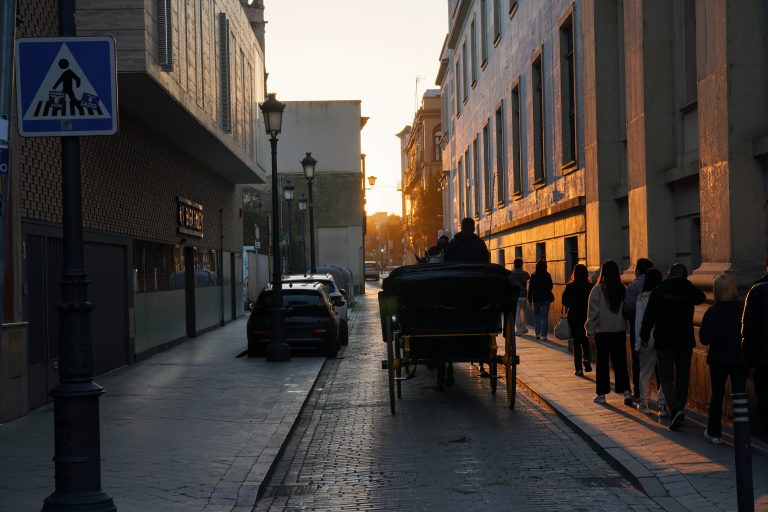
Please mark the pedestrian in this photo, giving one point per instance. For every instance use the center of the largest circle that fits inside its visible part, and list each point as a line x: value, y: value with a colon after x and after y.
x: 576, y: 298
x: 764, y: 278
x: 519, y: 277
x: 646, y: 351
x: 721, y: 330
x: 606, y: 324
x: 540, y: 297
x: 754, y: 330
x: 436, y: 253
x: 633, y: 291
x: 670, y: 312
x: 466, y: 245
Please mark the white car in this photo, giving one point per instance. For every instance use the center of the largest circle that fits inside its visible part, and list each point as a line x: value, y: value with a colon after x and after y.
x: 338, y: 296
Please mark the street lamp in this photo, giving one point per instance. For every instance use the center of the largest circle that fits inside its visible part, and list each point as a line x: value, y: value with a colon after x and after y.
x: 288, y: 190
x: 371, y: 180
x: 278, y: 349
x: 302, y: 208
x: 309, y: 163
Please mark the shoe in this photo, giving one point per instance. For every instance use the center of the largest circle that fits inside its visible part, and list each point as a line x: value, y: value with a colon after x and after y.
x: 663, y: 412
x: 643, y: 407
x: 628, y: 399
x: 537, y: 336
x: 677, y: 419
x: 525, y: 330
x: 579, y: 373
x: 599, y: 399
x: 636, y: 396
x: 715, y: 440
x: 587, y: 367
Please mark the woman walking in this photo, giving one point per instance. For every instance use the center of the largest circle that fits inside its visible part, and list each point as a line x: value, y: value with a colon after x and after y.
x: 646, y: 352
x: 540, y: 296
x: 607, y: 325
x: 576, y: 298
x: 721, y: 330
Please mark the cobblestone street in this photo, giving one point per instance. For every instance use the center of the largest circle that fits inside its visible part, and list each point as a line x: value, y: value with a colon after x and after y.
x: 457, y: 450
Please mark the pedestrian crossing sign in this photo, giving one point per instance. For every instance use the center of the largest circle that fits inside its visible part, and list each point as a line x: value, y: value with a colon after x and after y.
x: 66, y: 86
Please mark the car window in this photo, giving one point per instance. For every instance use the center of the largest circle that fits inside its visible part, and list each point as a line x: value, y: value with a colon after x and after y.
x: 302, y: 298
x: 326, y: 282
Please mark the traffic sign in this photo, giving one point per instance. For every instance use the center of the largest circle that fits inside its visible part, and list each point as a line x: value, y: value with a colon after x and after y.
x: 66, y: 86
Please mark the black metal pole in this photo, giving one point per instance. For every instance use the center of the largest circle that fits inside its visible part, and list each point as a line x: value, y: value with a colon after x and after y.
x: 312, y: 263
x: 76, y: 397
x: 7, y: 34
x: 221, y: 266
x: 743, y: 452
x: 303, y: 246
x: 277, y: 349
x: 288, y: 248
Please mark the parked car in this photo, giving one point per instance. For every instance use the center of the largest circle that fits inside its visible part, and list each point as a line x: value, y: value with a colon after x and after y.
x: 372, y: 270
x: 343, y: 278
x: 311, y: 322
x: 337, y: 295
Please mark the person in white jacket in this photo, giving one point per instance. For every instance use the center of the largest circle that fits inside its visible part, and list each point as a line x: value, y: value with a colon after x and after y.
x: 607, y: 326
x: 646, y: 351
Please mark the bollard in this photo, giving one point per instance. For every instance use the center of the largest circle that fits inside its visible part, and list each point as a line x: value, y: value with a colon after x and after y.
x: 743, y: 452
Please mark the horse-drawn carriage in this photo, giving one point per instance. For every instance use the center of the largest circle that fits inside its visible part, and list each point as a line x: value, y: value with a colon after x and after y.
x: 446, y: 313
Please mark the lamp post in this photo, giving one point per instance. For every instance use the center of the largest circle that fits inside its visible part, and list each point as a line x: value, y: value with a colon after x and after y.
x: 278, y: 349
x: 76, y: 397
x: 302, y: 208
x: 309, y: 163
x: 288, y: 190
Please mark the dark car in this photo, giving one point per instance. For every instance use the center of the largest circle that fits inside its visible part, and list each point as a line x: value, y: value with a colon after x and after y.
x: 372, y: 270
x: 337, y: 298
x: 310, y: 319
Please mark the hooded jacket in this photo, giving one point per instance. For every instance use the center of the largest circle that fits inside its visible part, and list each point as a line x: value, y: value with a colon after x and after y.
x: 754, y: 326
x: 670, y: 312
x: 467, y: 246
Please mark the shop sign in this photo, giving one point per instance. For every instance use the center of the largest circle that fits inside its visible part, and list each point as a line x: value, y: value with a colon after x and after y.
x: 190, y: 217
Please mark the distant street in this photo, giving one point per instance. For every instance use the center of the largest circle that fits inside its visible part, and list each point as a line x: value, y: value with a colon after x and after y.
x: 457, y: 450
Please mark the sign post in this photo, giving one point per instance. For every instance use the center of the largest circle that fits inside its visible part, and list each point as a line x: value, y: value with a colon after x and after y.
x: 67, y: 87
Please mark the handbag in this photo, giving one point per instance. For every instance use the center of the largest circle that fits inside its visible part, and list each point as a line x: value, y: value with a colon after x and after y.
x: 563, y: 329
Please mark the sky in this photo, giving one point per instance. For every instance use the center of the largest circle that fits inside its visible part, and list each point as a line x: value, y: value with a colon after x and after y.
x: 359, y: 50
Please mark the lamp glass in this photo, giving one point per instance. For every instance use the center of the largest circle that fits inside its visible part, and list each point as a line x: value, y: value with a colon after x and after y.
x: 288, y: 189
x: 309, y: 163
x: 303, y: 203
x: 371, y: 180
x: 273, y: 114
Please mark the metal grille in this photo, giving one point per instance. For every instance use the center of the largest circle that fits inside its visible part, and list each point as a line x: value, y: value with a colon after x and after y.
x: 163, y: 17
x: 224, y: 82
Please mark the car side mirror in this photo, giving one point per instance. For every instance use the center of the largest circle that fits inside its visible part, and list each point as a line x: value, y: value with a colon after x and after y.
x: 343, y: 291
x: 338, y: 302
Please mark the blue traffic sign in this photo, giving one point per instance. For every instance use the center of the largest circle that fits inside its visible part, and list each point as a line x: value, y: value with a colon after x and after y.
x: 66, y: 86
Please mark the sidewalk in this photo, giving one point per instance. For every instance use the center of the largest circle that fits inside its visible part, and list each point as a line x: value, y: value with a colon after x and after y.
x: 680, y: 470
x: 190, y: 429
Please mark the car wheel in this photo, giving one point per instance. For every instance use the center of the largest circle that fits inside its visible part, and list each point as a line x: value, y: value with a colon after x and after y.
x: 344, y: 333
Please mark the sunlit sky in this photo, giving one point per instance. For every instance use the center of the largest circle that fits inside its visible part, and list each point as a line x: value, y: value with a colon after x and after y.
x: 359, y: 50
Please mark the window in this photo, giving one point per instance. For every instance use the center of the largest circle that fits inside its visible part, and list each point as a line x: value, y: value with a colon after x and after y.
x: 224, y: 78
x: 476, y: 176
x: 457, y: 92
x: 537, y: 86
x: 164, y: 28
x: 501, y: 157
x: 467, y: 184
x: 487, y: 169
x: 460, y: 188
x: 571, y: 255
x: 689, y: 50
x: 155, y: 266
x: 464, y: 68
x: 517, y: 169
x: 567, y: 95
x: 518, y: 252
x: 496, y: 21
x: 484, y: 29
x: 436, y: 138
x: 500, y: 257
x: 541, y: 251
x: 473, y: 49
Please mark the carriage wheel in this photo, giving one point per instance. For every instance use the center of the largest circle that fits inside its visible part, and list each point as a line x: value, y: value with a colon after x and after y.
x: 391, y: 372
x: 493, y: 366
x: 510, y: 367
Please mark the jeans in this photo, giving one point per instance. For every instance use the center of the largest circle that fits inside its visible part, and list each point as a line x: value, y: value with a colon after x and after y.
x: 541, y: 318
x: 519, y: 325
x: 718, y: 375
x: 674, y: 374
x: 647, y: 360
x: 582, y: 355
x: 635, y: 356
x: 611, y: 346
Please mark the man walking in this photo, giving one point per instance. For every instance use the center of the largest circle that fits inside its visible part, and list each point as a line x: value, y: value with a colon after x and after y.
x: 519, y: 278
x: 754, y: 330
x: 670, y: 312
x: 634, y: 290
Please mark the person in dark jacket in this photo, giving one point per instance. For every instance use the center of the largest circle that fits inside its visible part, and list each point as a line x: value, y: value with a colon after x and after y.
x: 540, y: 297
x: 634, y: 290
x: 721, y: 330
x: 576, y: 299
x: 467, y: 246
x: 436, y: 253
x: 754, y: 330
x: 519, y: 278
x: 764, y: 278
x: 670, y: 315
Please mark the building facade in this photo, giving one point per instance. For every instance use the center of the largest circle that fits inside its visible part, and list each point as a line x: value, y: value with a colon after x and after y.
x: 161, y: 203
x: 421, y: 176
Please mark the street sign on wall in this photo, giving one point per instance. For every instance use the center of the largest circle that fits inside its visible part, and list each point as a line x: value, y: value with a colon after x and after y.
x: 66, y: 86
